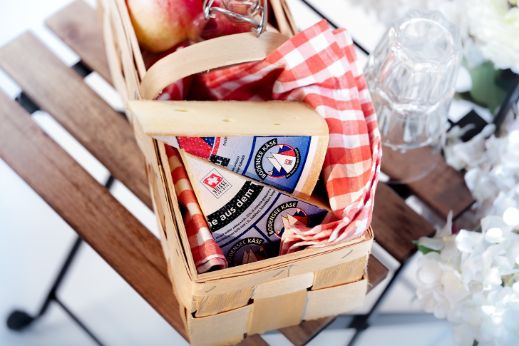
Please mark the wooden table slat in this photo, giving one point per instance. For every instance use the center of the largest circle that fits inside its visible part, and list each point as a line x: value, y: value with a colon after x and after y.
x: 65, y: 96
x: 453, y: 195
x: 253, y: 340
x: 305, y: 331
x: 443, y: 189
x: 73, y: 24
x: 88, y: 208
x: 377, y: 272
x: 396, y: 225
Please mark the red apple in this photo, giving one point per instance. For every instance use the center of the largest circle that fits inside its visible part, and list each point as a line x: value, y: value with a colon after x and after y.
x: 162, y: 24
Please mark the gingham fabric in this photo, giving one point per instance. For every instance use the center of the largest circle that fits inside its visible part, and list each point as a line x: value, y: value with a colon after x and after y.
x: 318, y: 66
x: 206, y: 252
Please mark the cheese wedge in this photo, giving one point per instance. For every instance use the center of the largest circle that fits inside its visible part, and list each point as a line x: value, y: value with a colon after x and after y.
x: 288, y: 163
x: 246, y: 218
x: 281, y: 144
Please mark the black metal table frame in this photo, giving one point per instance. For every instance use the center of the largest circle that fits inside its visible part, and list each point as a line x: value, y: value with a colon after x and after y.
x: 19, y: 320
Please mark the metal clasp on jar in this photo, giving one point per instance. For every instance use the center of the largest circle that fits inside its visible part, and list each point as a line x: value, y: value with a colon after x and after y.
x: 254, y: 12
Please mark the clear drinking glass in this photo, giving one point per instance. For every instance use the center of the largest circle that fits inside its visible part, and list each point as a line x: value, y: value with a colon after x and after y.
x: 411, y: 76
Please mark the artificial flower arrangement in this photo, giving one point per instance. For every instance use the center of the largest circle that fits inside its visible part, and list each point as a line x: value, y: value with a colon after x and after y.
x: 471, y: 278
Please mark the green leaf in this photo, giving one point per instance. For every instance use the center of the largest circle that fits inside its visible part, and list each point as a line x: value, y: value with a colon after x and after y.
x: 424, y: 249
x: 488, y: 89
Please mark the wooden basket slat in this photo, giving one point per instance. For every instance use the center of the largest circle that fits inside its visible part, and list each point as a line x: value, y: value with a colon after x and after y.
x: 284, y: 286
x: 207, y: 305
x: 340, y: 274
x: 335, y: 300
x: 277, y: 311
x: 231, y: 325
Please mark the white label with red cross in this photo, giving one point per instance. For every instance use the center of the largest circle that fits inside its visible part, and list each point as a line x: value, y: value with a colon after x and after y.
x: 215, y: 183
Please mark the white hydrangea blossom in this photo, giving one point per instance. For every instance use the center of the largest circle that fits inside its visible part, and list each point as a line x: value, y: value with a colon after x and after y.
x: 472, y: 278
x: 487, y: 27
x: 494, y: 24
x: 492, y: 168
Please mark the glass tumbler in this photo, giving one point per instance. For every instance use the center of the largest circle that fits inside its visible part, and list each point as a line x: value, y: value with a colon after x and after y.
x: 411, y: 76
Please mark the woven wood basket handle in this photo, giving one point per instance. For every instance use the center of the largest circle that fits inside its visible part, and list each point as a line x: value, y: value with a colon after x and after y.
x: 207, y: 55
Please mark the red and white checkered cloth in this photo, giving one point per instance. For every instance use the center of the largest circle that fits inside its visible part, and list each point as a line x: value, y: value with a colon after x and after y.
x: 206, y: 252
x: 318, y: 66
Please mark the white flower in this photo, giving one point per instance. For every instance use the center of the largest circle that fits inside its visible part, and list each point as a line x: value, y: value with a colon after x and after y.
x: 511, y: 216
x: 494, y: 24
x: 472, y: 280
x: 430, y: 272
x: 468, y: 241
x: 455, y: 290
x: 462, y: 155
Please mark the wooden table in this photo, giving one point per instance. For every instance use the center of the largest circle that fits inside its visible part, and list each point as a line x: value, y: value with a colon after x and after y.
x: 97, y: 217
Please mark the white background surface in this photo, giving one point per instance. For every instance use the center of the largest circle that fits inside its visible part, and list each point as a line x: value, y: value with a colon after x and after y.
x: 34, y: 240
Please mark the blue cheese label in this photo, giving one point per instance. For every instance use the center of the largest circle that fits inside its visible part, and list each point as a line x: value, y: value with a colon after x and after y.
x: 278, y: 161
x: 246, y: 218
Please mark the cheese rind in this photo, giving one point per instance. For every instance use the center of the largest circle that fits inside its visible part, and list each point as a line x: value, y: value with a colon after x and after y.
x: 227, y: 118
x: 246, y: 218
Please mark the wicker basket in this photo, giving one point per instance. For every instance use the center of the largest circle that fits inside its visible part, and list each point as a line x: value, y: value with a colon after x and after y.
x: 222, y: 307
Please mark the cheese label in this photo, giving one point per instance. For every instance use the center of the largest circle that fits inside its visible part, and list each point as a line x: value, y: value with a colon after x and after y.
x: 246, y: 218
x: 278, y: 161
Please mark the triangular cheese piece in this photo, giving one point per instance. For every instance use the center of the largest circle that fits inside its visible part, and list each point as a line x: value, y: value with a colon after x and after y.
x: 281, y: 144
x: 245, y: 216
x: 294, y: 170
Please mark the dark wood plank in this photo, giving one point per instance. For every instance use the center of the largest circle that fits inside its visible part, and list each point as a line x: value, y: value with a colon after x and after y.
x: 396, y: 225
x: 301, y: 334
x: 443, y: 189
x: 62, y: 93
x: 88, y: 208
x: 76, y: 24
x: 253, y: 340
x: 377, y: 272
